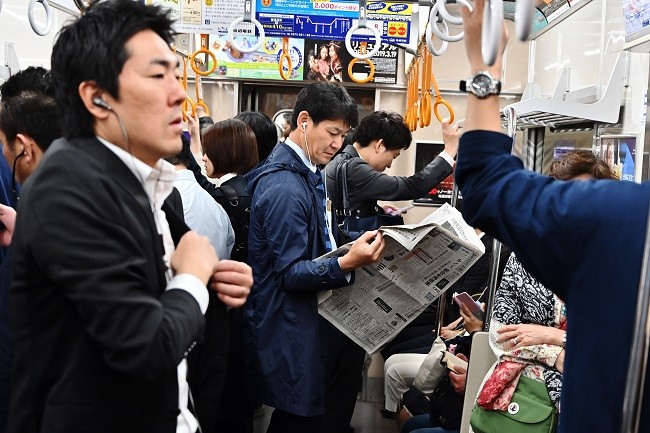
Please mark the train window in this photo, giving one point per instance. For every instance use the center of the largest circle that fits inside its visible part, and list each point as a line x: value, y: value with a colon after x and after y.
x: 557, y: 143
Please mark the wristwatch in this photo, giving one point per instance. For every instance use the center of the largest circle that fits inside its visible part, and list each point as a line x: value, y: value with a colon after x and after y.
x: 482, y: 84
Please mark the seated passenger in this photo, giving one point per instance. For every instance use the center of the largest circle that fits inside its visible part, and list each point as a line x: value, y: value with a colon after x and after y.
x: 440, y: 409
x: 528, y: 326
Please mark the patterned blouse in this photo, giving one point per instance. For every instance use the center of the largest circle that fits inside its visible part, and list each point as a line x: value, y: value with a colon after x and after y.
x: 522, y: 299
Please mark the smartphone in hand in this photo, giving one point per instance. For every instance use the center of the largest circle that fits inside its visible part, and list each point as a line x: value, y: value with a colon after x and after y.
x: 464, y: 299
x: 452, y: 362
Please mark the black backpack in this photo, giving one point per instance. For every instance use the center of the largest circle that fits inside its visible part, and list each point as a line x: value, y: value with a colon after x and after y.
x: 238, y: 208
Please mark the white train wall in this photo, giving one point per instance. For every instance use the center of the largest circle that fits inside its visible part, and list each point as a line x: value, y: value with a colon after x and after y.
x: 587, y: 42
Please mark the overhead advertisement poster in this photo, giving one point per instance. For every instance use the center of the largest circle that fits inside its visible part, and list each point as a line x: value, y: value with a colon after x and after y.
x: 206, y: 16
x: 260, y: 64
x: 329, y: 61
x: 314, y: 19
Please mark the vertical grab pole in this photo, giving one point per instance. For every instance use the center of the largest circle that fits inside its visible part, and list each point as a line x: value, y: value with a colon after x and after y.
x: 495, y: 260
x: 640, y: 343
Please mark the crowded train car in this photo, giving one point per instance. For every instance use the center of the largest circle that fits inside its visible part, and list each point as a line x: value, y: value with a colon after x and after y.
x: 324, y: 216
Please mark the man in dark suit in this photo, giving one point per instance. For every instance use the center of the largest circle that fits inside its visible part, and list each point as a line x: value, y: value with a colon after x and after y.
x: 105, y: 306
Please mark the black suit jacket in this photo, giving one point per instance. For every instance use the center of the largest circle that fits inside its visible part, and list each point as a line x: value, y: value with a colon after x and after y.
x: 367, y: 185
x: 97, y: 336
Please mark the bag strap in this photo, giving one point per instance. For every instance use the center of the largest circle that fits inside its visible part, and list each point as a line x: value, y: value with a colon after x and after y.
x: 341, y: 183
x: 231, y: 194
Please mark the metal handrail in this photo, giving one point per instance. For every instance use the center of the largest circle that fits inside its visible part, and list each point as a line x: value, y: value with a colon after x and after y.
x: 640, y: 346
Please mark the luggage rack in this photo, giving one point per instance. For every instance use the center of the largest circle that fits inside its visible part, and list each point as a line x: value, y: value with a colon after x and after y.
x: 566, y: 108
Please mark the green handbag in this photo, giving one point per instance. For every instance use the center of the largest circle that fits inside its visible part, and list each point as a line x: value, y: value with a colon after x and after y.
x: 530, y: 410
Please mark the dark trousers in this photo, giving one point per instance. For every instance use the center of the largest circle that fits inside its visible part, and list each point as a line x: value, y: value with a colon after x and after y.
x: 344, y: 367
x: 285, y: 422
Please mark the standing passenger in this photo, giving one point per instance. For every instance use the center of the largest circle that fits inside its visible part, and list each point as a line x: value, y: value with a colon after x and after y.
x: 29, y: 122
x: 565, y: 234
x: 289, y: 231
x: 105, y: 308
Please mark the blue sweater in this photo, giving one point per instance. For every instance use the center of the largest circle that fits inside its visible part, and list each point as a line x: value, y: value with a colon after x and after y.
x: 584, y: 241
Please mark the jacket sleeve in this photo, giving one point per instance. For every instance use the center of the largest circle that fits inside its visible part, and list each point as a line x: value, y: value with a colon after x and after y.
x: 549, y: 224
x: 216, y: 192
x: 368, y: 184
x: 92, y: 247
x: 290, y: 230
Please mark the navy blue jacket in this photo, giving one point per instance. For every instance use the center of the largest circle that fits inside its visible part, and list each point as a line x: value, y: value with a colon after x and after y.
x: 584, y: 241
x: 287, y: 233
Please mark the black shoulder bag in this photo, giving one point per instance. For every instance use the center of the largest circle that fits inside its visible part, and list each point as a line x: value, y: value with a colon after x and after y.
x: 349, y: 222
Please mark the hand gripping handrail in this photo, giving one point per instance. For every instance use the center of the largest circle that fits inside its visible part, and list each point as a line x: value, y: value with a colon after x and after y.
x: 362, y: 24
x: 247, y: 18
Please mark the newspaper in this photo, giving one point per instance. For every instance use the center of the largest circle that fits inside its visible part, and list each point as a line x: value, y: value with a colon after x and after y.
x: 419, y: 263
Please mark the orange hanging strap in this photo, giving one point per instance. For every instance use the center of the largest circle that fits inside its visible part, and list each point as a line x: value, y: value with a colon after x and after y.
x: 363, y: 46
x: 203, y: 50
x: 187, y: 103
x: 440, y: 101
x: 285, y: 56
x: 199, y: 97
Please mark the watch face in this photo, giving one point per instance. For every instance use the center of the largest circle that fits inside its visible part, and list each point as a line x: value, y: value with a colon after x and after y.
x: 481, y: 84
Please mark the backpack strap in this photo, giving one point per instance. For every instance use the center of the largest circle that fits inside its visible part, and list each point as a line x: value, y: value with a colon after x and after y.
x: 231, y: 194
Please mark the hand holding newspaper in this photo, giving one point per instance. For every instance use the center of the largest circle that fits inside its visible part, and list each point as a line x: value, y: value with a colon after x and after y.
x: 419, y: 263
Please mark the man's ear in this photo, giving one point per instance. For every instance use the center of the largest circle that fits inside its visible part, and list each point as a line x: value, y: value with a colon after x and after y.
x: 27, y: 145
x: 88, y: 90
x: 378, y: 145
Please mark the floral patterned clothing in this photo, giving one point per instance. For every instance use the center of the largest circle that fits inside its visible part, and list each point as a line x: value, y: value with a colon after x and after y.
x: 522, y: 299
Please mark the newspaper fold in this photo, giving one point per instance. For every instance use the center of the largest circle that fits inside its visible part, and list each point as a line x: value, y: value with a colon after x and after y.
x: 419, y: 263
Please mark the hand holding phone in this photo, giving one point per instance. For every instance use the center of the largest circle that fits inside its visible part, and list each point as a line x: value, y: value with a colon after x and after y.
x: 452, y: 362
x: 464, y: 299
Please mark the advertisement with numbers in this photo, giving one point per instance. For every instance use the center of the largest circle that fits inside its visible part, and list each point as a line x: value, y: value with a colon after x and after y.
x: 330, y: 20
x: 330, y: 61
x: 260, y: 64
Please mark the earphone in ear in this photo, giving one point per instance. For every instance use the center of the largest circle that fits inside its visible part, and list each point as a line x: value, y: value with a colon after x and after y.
x: 304, y: 126
x: 101, y: 103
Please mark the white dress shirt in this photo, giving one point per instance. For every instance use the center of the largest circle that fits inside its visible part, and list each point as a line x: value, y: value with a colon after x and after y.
x: 204, y: 215
x: 158, y: 184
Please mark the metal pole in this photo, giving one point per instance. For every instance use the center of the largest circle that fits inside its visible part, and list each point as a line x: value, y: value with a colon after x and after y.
x: 640, y: 339
x: 639, y: 353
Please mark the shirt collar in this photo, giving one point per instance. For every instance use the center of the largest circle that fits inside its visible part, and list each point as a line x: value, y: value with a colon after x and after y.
x: 301, y: 154
x: 158, y: 180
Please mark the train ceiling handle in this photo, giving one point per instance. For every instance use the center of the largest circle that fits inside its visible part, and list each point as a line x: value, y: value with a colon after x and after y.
x: 428, y: 38
x: 248, y: 18
x: 48, y: 13
x: 524, y: 12
x: 285, y: 55
x: 203, y: 50
x: 492, y: 28
x: 84, y: 5
x: 362, y: 24
x: 449, y: 18
x: 371, y: 75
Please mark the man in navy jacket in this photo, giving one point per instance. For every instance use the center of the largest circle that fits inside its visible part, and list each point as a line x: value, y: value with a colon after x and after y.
x: 583, y: 240
x: 289, y: 230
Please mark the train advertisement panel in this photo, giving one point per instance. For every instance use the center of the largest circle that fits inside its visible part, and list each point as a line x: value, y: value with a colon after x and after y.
x: 331, y: 20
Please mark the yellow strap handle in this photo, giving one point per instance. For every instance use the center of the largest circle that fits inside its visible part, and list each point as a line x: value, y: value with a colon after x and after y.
x: 440, y: 101
x: 363, y: 46
x: 285, y: 55
x: 199, y: 97
x: 203, y: 50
